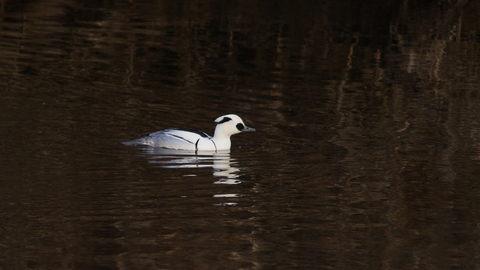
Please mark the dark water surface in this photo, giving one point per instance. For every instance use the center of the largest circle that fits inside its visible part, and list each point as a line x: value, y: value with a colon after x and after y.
x: 366, y: 154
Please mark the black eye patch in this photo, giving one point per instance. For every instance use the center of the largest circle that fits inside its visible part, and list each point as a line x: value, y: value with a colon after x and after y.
x: 225, y: 119
x: 240, y: 126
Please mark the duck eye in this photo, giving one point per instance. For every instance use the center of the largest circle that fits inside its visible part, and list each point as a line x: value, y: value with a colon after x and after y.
x: 240, y: 126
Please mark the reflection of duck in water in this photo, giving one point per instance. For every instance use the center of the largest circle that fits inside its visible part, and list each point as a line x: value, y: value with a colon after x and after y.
x: 220, y: 161
x: 188, y: 139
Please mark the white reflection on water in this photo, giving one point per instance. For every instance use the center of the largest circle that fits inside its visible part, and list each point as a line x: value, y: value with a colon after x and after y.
x: 223, y: 165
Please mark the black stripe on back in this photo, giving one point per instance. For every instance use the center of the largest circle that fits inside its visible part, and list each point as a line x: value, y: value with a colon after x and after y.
x: 181, y: 138
x: 203, y: 134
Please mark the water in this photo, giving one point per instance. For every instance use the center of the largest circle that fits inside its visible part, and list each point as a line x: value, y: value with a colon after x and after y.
x: 365, y: 155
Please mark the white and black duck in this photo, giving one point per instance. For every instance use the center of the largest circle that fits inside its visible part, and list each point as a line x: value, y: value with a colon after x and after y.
x: 189, y: 139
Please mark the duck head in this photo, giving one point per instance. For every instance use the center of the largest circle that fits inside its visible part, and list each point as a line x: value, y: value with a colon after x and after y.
x: 228, y: 125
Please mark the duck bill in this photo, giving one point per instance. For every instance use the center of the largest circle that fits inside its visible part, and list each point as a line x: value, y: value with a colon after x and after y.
x: 246, y: 129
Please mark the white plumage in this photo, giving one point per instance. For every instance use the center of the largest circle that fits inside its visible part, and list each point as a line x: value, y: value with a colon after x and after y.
x: 189, y: 139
